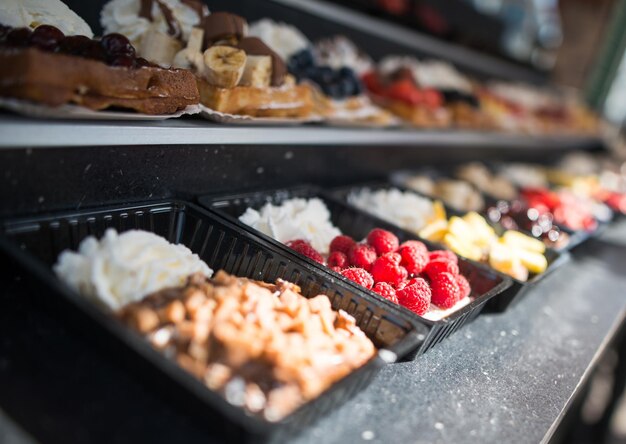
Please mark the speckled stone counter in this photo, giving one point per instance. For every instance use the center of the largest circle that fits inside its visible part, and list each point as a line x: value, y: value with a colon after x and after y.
x: 504, y: 378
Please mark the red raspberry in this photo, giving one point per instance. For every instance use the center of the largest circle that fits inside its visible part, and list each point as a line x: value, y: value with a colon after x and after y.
x: 362, y: 256
x: 359, y: 275
x: 464, y: 286
x: 305, y: 249
x: 337, y: 269
x: 337, y: 259
x: 443, y: 254
x: 415, y: 297
x: 414, y: 258
x: 445, y: 290
x: 383, y: 241
x: 387, y: 268
x: 342, y: 243
x: 438, y: 266
x: 386, y: 291
x: 415, y: 244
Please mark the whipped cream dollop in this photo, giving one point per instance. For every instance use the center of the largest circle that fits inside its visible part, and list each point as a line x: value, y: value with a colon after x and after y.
x: 286, y: 40
x: 123, y: 268
x: 32, y: 13
x: 122, y: 16
x: 524, y: 95
x: 339, y: 51
x: 524, y: 175
x: 405, y: 209
x: 442, y: 76
x: 307, y: 219
x: 428, y: 74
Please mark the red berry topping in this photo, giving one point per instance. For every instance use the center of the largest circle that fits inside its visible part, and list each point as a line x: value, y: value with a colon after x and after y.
x: 387, y: 268
x: 336, y: 269
x: 360, y: 276
x: 443, y: 254
x: 415, y: 297
x: 46, y: 37
x: 342, y: 243
x: 414, y: 257
x: 305, y: 249
x: 383, y: 241
x: 438, y: 266
x: 464, y: 286
x: 386, y: 291
x: 445, y: 290
x: 338, y: 259
x: 415, y: 244
x: 362, y: 256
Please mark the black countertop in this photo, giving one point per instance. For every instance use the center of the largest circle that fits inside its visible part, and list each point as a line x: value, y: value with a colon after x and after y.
x: 504, y: 378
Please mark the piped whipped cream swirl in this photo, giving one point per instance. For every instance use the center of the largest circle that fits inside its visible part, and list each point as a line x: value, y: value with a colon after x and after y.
x: 284, y: 39
x: 123, y: 16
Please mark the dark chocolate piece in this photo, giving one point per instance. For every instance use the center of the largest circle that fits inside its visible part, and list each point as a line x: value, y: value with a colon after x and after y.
x: 221, y: 26
x: 255, y: 46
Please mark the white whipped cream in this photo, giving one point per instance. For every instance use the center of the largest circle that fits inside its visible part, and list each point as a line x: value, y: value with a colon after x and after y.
x: 339, y: 51
x: 123, y: 268
x: 524, y: 95
x: 284, y: 39
x: 435, y: 313
x: 32, y: 13
x: 441, y: 75
x: 307, y: 219
x: 524, y: 175
x: 405, y: 209
x: 122, y: 16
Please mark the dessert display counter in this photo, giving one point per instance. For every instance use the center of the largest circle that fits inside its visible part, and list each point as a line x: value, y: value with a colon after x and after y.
x: 226, y: 228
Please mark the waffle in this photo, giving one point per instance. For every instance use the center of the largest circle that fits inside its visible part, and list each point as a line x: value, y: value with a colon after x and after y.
x: 418, y: 116
x: 56, y: 79
x: 292, y: 101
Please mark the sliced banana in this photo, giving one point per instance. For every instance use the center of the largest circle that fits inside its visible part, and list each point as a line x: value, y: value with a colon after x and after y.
x: 257, y: 72
x: 158, y: 47
x: 224, y: 65
x: 191, y: 56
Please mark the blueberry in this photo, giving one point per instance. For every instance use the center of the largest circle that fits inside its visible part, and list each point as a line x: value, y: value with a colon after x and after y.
x: 346, y: 72
x: 332, y: 90
x: 327, y: 74
x: 302, y: 59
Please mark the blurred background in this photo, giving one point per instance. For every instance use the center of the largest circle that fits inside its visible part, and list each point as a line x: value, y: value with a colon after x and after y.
x: 577, y: 43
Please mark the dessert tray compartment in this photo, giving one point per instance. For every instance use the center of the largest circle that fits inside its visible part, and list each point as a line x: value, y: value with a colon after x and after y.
x: 36, y: 243
x: 508, y: 297
x: 485, y: 283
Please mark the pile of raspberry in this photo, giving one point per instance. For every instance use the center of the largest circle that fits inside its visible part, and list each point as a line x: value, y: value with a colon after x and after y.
x: 407, y: 274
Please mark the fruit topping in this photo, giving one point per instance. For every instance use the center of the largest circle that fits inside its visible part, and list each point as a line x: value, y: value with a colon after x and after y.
x: 342, y: 243
x: 305, y: 249
x: 387, y: 269
x: 360, y: 276
x: 362, y: 256
x: 386, y: 291
x: 383, y: 241
x: 445, y: 290
x: 338, y: 259
x: 46, y: 37
x: 416, y: 296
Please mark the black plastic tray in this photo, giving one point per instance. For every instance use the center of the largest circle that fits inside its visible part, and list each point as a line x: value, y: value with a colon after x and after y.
x: 37, y: 242
x: 485, y: 283
x: 511, y: 295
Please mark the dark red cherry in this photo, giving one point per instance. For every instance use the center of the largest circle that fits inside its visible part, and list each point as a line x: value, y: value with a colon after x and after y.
x: 19, y: 37
x: 74, y: 45
x: 4, y: 31
x: 94, y: 51
x: 122, y: 60
x: 46, y: 37
x: 140, y: 61
x: 116, y: 44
